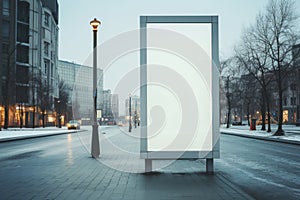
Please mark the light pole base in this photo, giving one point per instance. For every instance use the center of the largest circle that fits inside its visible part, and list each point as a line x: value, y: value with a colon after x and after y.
x: 95, y: 151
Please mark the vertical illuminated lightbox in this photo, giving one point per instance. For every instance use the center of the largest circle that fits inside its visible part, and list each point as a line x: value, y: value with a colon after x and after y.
x: 179, y: 88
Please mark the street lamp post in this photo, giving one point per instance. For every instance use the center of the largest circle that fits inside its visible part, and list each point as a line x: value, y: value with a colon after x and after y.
x: 135, y: 114
x: 59, y: 113
x: 95, y: 150
x: 130, y: 125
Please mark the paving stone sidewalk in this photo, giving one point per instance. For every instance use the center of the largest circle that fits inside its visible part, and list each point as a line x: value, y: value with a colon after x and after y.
x: 73, y: 174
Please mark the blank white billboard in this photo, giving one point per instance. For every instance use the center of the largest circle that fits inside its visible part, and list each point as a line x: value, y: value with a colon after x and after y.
x: 179, y: 95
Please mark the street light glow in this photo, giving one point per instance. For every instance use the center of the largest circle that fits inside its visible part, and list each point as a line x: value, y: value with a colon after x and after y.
x: 95, y: 23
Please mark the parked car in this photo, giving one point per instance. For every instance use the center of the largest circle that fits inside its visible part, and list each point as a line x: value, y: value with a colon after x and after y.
x: 73, y: 124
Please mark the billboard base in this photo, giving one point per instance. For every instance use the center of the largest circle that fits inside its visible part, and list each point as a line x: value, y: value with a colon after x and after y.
x: 209, y: 165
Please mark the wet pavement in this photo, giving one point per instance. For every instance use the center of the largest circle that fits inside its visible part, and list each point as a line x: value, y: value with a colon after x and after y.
x: 60, y: 167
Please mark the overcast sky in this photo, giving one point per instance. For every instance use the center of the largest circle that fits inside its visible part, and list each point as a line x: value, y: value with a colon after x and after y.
x: 119, y: 16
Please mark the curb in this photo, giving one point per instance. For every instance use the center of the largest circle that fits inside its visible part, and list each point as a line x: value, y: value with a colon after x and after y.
x: 263, y: 138
x: 24, y: 137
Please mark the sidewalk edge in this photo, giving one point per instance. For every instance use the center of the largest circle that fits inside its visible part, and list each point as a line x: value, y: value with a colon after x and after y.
x: 24, y: 137
x: 263, y: 138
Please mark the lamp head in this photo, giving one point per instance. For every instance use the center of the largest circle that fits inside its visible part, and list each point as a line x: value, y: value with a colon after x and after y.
x: 95, y: 23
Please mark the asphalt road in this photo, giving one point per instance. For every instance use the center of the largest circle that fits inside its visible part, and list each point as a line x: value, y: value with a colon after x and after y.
x: 262, y: 169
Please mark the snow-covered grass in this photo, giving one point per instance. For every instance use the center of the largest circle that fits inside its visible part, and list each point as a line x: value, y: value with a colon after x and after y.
x: 14, y: 133
x: 292, y: 132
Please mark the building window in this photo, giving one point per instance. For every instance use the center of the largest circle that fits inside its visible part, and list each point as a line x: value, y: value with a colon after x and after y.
x: 293, y: 101
x: 5, y: 8
x: 5, y: 29
x: 284, y: 101
x: 23, y: 33
x: 46, y: 19
x: 23, y: 54
x: 285, y: 117
x: 46, y: 48
x: 293, y: 86
x: 52, y: 71
x: 22, y: 94
x: 4, y: 71
x: 23, y: 11
x: 5, y: 48
x: 46, y: 66
x: 22, y: 74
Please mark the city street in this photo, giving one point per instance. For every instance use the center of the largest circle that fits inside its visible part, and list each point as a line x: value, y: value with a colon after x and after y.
x: 157, y: 100
x: 263, y: 169
x: 60, y: 167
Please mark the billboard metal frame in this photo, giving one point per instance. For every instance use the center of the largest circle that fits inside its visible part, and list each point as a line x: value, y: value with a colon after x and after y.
x: 164, y: 155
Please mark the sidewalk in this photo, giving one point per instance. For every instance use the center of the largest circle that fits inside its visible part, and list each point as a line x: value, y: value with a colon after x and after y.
x: 77, y: 176
x: 117, y: 174
x: 292, y: 133
x: 170, y: 179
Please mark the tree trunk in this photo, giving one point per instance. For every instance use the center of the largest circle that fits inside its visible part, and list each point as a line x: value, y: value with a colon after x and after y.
x: 280, y: 131
x: 228, y: 118
x: 43, y: 119
x: 6, y: 113
x: 263, y: 119
x: 263, y: 111
x: 269, y: 114
x: 248, y: 113
x: 228, y: 113
x: 33, y: 116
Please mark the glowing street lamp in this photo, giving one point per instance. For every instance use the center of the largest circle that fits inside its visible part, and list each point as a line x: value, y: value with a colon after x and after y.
x: 95, y: 150
x: 95, y: 23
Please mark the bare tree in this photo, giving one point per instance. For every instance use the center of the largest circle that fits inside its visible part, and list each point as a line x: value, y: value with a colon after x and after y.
x: 229, y: 72
x: 280, y: 36
x: 61, y: 104
x: 252, y: 54
x: 43, y: 97
x: 8, y: 91
x: 249, y: 94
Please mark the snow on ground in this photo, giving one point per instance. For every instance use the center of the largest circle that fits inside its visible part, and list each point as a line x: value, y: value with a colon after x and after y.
x: 30, y: 132
x: 292, y: 132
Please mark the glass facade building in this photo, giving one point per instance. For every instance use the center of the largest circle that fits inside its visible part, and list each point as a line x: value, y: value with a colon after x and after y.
x: 79, y: 81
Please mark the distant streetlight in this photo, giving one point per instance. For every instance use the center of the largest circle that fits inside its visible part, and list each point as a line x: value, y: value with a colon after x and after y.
x: 130, y: 126
x: 95, y: 151
x: 135, y: 114
x: 59, y: 113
